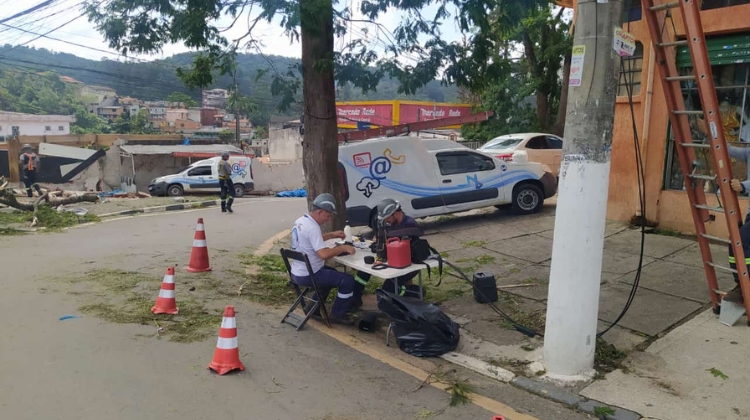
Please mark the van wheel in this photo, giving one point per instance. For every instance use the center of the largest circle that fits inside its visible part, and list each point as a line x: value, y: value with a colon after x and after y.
x: 527, y: 198
x: 175, y: 190
x: 239, y: 190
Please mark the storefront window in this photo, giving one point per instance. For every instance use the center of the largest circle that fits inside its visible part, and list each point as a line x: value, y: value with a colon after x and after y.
x: 733, y: 93
x: 717, y: 4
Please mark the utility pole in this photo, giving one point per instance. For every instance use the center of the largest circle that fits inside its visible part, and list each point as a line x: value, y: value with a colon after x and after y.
x: 575, y: 274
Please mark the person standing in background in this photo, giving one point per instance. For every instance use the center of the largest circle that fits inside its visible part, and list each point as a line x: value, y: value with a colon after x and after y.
x: 225, y: 182
x: 29, y: 169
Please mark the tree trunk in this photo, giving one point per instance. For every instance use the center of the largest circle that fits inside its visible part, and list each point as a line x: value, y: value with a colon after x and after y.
x: 562, y: 109
x: 542, y: 109
x: 320, y: 143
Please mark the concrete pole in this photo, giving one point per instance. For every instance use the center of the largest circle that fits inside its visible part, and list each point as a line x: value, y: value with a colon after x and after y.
x: 575, y: 274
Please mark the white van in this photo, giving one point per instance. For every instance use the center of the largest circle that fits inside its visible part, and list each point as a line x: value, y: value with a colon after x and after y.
x: 432, y: 177
x: 203, y: 177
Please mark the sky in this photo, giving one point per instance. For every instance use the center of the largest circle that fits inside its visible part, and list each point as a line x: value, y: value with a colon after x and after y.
x: 75, y: 28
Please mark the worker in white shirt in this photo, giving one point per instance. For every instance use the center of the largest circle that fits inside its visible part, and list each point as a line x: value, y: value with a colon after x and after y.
x: 308, y: 239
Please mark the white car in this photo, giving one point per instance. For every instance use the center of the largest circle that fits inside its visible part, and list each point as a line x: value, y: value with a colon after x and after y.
x: 203, y: 177
x: 542, y: 148
x: 432, y: 177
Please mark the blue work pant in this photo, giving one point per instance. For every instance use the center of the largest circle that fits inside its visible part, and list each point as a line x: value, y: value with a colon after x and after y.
x: 328, y: 278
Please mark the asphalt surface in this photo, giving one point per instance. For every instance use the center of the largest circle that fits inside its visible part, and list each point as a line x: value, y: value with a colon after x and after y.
x: 86, y: 368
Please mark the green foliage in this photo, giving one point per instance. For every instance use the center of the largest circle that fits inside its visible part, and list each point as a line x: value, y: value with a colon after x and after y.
x: 717, y: 373
x: 227, y: 135
x: 182, y: 97
x: 525, y: 93
x: 606, y: 356
x: 146, y: 26
x: 45, y: 93
x: 46, y: 217
x: 603, y: 412
x: 460, y: 393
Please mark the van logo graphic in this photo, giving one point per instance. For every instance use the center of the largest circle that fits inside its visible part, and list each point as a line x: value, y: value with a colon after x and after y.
x: 396, y: 160
x: 474, y: 180
x: 380, y: 167
x: 366, y: 185
x: 362, y: 160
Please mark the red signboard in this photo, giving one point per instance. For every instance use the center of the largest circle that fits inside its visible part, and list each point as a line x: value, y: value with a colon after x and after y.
x: 411, y: 113
x: 379, y: 114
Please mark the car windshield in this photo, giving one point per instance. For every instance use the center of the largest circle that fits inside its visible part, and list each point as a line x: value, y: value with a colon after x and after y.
x: 501, y: 143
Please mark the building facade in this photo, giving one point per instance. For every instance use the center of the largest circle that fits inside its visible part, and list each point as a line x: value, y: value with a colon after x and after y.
x: 726, y: 24
x: 18, y: 124
x: 215, y: 98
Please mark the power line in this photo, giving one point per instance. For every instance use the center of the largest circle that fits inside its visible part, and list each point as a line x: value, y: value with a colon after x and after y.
x: 29, y: 10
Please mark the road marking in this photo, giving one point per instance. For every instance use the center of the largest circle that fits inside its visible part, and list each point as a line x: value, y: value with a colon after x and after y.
x: 488, y: 404
x: 268, y: 243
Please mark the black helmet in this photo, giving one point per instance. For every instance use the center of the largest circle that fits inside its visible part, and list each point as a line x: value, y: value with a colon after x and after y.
x: 387, y: 207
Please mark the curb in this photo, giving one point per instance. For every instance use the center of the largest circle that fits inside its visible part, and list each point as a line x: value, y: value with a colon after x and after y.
x: 542, y: 389
x: 157, y: 209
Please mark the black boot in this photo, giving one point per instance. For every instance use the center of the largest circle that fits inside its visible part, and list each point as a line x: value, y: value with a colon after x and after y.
x: 229, y: 205
x: 223, y: 206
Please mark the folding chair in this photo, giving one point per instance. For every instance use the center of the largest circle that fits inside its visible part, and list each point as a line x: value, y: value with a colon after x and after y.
x: 317, y: 299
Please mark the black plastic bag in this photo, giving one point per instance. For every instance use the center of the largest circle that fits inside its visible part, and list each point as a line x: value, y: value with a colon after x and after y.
x: 421, y: 328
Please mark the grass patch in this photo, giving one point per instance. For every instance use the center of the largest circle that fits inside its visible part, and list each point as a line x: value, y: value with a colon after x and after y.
x: 667, y: 232
x: 193, y: 323
x: 717, y: 373
x: 13, y: 217
x: 48, y: 218
x: 534, y: 319
x: 473, y: 243
x: 603, y: 412
x: 270, y: 284
x: 126, y: 297
x: 607, y: 357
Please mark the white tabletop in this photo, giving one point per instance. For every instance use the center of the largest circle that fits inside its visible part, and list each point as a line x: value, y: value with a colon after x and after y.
x: 357, y: 262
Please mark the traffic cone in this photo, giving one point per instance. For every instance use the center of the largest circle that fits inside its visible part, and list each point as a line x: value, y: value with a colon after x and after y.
x: 227, y: 354
x: 199, y: 255
x: 165, y: 303
x: 498, y: 418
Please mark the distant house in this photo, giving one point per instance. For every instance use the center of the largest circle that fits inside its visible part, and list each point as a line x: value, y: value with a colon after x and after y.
x: 215, y: 98
x: 16, y: 123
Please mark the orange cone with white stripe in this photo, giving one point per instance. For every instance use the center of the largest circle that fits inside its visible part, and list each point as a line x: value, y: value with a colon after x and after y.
x: 227, y: 353
x: 199, y: 255
x: 165, y: 303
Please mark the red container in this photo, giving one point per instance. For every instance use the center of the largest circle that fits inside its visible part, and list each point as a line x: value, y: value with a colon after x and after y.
x: 398, y: 252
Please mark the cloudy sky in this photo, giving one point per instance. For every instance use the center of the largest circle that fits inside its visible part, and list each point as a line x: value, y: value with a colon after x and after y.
x: 74, y: 28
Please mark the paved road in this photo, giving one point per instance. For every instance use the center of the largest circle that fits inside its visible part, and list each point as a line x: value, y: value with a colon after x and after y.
x: 89, y: 369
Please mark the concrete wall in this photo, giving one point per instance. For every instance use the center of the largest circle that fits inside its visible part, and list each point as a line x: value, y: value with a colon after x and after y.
x: 284, y: 144
x: 668, y: 208
x: 277, y: 177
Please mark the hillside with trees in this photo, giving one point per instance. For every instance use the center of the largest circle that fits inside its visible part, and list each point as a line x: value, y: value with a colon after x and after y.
x: 158, y: 80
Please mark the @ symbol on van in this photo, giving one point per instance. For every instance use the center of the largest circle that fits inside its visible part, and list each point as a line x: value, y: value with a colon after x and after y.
x: 380, y: 167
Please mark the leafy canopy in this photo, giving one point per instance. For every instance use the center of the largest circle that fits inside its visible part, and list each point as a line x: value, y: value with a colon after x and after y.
x: 146, y: 26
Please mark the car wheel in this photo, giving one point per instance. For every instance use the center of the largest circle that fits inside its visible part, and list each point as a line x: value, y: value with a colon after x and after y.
x: 239, y: 190
x: 527, y: 198
x: 175, y: 190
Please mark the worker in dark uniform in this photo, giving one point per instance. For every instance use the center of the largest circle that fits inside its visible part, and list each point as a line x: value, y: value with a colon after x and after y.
x: 397, y: 225
x: 29, y: 169
x: 225, y: 182
x: 735, y: 295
